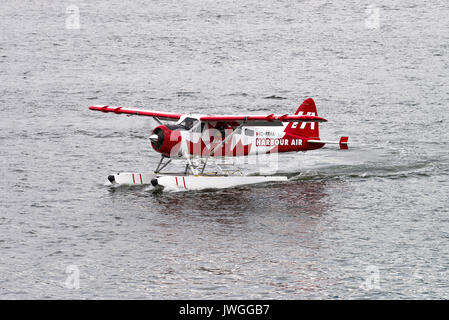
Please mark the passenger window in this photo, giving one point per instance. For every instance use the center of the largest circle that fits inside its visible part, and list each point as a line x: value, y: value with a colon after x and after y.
x: 249, y: 132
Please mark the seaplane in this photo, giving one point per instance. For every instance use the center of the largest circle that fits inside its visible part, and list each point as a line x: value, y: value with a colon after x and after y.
x: 197, y: 140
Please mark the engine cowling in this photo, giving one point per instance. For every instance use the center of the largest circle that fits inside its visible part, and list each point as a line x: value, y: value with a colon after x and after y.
x: 166, y: 140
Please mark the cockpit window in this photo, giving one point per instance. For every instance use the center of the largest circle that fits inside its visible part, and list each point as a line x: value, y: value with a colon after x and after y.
x: 188, y: 123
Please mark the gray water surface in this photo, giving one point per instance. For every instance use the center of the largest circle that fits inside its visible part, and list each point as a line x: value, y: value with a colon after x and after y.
x: 371, y: 222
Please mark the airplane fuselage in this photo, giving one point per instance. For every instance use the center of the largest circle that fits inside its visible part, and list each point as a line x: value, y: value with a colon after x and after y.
x: 218, y: 140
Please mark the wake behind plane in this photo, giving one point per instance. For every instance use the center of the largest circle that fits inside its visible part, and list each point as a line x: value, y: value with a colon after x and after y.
x: 197, y: 139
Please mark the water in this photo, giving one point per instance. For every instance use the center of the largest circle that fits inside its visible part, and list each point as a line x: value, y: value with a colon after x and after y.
x: 368, y: 223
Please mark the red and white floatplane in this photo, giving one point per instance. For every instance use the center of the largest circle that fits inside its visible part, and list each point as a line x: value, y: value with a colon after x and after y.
x: 196, y: 139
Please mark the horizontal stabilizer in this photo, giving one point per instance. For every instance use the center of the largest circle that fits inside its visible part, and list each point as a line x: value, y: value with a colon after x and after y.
x: 343, y: 142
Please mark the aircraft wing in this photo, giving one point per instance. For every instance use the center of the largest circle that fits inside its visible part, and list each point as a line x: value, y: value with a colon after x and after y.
x: 139, y: 112
x: 233, y: 120
x: 260, y: 120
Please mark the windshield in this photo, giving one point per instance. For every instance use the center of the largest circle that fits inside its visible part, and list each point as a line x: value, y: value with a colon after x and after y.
x: 188, y: 123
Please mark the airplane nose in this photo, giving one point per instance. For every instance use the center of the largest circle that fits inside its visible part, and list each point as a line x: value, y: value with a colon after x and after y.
x: 154, y: 138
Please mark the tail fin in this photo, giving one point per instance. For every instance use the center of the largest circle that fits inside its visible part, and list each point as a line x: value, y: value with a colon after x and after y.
x: 305, y: 129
